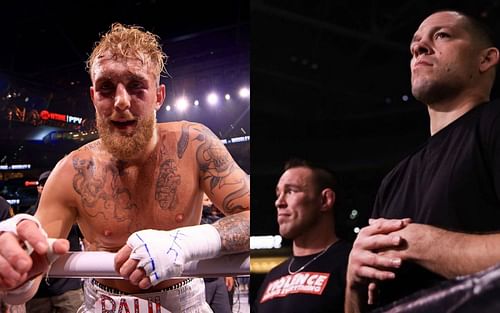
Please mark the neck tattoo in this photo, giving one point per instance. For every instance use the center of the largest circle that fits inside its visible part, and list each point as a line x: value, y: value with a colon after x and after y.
x: 309, y: 262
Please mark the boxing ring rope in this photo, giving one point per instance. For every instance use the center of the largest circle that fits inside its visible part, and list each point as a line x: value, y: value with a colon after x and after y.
x: 100, y: 264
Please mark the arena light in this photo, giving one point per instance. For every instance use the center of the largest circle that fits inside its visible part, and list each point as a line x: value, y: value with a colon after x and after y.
x: 235, y: 139
x: 168, y: 108
x: 227, y: 97
x: 196, y: 102
x: 15, y: 167
x: 181, y: 104
x: 265, y: 242
x: 212, y: 98
x: 244, y: 92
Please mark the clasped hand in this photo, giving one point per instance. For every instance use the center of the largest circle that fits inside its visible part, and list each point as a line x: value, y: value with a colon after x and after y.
x: 377, y: 252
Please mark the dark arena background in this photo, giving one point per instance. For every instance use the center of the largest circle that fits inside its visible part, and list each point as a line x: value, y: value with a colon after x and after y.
x: 45, y: 107
x: 331, y: 83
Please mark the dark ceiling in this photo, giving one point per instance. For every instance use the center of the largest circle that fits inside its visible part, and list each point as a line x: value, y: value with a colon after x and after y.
x: 328, y: 82
x: 46, y: 43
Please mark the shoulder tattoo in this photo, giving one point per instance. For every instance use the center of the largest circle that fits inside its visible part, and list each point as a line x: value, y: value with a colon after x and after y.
x: 218, y: 167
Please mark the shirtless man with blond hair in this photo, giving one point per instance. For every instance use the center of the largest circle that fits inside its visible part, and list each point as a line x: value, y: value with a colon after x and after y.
x: 137, y: 191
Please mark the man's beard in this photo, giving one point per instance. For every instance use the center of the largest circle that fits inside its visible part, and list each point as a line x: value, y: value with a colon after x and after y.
x: 126, y: 147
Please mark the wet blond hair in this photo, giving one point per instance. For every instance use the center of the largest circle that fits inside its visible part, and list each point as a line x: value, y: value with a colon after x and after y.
x: 124, y: 41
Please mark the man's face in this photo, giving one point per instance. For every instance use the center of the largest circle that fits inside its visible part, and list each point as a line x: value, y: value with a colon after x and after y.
x: 445, y: 59
x: 126, y: 96
x: 297, y: 202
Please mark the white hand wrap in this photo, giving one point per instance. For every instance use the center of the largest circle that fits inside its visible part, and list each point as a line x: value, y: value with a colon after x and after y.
x: 18, y: 295
x: 10, y: 224
x: 162, y: 254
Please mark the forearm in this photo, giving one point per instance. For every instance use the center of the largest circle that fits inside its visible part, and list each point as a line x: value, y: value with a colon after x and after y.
x: 450, y: 253
x: 354, y: 302
x: 162, y: 254
x: 234, y: 231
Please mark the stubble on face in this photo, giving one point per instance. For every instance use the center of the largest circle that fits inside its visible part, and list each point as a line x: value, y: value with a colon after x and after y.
x: 452, y: 67
x: 431, y: 91
x: 302, y: 207
x: 126, y: 147
x: 301, y: 223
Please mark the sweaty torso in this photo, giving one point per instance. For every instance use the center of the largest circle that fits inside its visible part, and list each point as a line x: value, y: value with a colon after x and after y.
x: 114, y: 199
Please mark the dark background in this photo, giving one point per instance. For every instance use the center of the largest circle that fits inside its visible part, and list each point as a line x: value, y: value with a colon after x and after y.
x: 331, y: 83
x: 42, y: 67
x: 328, y: 82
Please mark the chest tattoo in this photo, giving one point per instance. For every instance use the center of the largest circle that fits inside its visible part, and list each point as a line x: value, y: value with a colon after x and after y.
x: 166, y: 185
x: 100, y: 191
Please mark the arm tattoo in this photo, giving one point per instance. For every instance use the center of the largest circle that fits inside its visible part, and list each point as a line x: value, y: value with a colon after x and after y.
x: 217, y: 166
x: 234, y: 231
x: 183, y: 141
x: 229, y: 204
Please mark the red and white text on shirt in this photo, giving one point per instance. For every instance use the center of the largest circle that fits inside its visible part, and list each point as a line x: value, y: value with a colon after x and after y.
x: 303, y: 282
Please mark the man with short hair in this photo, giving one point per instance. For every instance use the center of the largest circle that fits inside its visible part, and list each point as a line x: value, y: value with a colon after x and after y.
x: 313, y: 279
x: 437, y: 213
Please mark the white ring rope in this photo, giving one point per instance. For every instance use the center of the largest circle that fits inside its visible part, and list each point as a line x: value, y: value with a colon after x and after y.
x: 100, y: 264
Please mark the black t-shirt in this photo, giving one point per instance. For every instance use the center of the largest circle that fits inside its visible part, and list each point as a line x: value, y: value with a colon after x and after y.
x: 451, y: 182
x: 319, y: 287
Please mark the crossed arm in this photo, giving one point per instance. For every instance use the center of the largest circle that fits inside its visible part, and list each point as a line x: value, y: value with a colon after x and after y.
x: 383, y: 245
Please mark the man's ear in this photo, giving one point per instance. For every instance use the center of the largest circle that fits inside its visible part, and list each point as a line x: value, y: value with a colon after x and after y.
x: 92, y: 94
x: 489, y: 58
x: 327, y: 199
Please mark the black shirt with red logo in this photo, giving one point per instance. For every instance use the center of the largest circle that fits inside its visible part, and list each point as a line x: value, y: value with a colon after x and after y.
x: 319, y: 287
